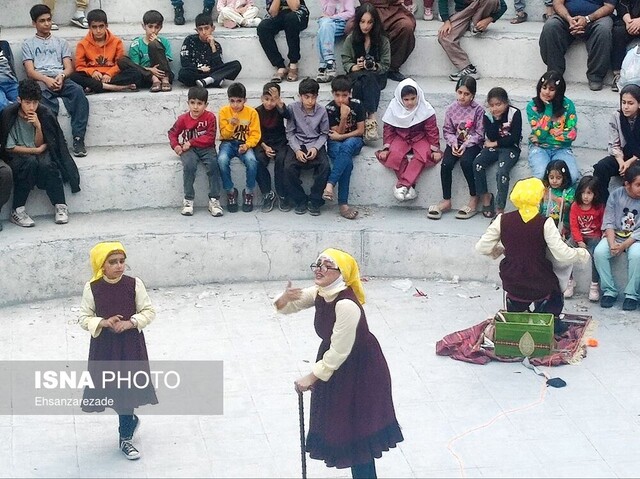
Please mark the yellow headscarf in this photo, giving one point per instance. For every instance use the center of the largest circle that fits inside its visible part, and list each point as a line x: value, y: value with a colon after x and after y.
x: 99, y: 254
x: 526, y: 196
x: 349, y: 269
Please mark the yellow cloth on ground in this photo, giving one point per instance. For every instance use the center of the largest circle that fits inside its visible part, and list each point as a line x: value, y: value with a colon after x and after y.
x: 99, y: 254
x: 349, y: 269
x: 526, y: 196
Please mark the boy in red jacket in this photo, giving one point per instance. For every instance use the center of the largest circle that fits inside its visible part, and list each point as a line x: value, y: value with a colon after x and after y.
x: 193, y: 138
x: 97, y: 56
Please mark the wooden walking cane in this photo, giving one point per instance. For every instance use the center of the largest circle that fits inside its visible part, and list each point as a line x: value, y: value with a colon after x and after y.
x: 303, y: 452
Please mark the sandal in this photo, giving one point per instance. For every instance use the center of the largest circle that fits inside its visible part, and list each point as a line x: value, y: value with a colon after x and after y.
x: 520, y: 17
x: 166, y: 86
x: 279, y: 75
x: 489, y: 211
x: 435, y: 211
x: 155, y: 87
x: 293, y: 74
x: 466, y: 212
x: 349, y: 213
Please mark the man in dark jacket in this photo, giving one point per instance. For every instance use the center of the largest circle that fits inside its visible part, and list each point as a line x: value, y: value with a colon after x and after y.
x: 34, y: 147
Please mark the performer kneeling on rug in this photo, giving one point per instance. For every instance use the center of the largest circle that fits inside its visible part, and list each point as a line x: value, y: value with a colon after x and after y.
x: 115, y: 308
x: 527, y: 275
x: 352, y: 416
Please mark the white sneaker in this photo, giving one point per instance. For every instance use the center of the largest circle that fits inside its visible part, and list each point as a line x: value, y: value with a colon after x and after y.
x: 214, y: 207
x: 62, y: 214
x: 20, y: 217
x: 568, y: 293
x: 400, y: 193
x: 594, y: 292
x: 252, y: 23
x: 187, y: 207
x: 412, y: 194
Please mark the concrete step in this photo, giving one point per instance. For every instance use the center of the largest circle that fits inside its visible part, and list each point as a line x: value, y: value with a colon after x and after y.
x: 514, y: 49
x: 150, y: 176
x: 124, y: 11
x: 115, y: 118
x: 168, y: 249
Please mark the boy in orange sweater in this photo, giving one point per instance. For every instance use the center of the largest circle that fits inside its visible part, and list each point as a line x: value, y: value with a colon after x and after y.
x: 239, y: 134
x: 97, y: 56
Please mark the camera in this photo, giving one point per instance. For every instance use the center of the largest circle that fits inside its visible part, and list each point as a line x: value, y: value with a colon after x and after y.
x: 369, y: 62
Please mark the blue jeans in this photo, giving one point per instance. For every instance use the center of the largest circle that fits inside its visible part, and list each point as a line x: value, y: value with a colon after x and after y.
x: 74, y: 101
x: 8, y: 93
x: 190, y: 159
x: 228, y: 151
x: 341, y: 154
x: 520, y: 5
x: 205, y: 3
x: 602, y: 257
x: 539, y: 158
x: 328, y: 30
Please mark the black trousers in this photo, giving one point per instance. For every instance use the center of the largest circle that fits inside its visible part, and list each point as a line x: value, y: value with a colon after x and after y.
x: 367, y: 86
x: 466, y: 163
x: 292, y: 23
x: 263, y: 177
x: 126, y: 77
x: 292, y: 168
x: 228, y: 71
x: 604, y: 170
x: 35, y: 170
x: 6, y: 183
x: 364, y: 471
x: 157, y: 56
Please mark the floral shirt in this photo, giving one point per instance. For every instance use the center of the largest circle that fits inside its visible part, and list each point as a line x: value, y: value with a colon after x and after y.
x: 551, y: 209
x: 554, y: 133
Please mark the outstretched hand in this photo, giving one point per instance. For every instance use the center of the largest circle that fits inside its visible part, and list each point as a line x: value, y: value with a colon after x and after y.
x: 289, y: 294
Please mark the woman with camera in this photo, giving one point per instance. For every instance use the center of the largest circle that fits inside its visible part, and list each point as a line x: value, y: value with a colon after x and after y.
x: 366, y: 56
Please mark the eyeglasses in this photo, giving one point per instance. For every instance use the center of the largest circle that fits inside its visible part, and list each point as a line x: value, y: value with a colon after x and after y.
x: 323, y: 268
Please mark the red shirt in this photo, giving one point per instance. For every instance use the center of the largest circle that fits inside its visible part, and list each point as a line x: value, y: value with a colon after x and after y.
x: 200, y: 132
x: 586, y: 222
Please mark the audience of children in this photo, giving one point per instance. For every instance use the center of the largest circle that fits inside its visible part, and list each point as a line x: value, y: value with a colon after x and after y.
x: 621, y: 227
x: 97, y: 56
x: 476, y: 16
x: 503, y: 132
x: 346, y: 128
x: 624, y: 140
x: 47, y: 59
x: 193, y: 138
x: 463, y: 132
x: 239, y: 135
x: 585, y: 219
x: 35, y: 149
x: 8, y: 77
x: 201, y: 58
x: 292, y: 16
x: 237, y: 13
x: 152, y: 54
x: 553, y: 120
x: 272, y: 146
x: 307, y: 133
x: 366, y: 56
x: 410, y: 128
x: 331, y: 25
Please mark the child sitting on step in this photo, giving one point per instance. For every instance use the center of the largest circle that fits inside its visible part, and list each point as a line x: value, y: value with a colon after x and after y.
x: 201, y: 58
x: 237, y: 13
x: 331, y: 25
x: 409, y: 128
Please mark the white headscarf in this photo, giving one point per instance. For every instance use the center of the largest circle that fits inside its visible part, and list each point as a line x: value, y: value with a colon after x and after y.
x: 397, y: 115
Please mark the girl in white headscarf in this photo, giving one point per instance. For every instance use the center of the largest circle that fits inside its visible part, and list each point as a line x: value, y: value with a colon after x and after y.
x: 409, y: 127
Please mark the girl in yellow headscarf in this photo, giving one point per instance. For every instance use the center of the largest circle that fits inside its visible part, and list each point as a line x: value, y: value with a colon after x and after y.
x: 352, y: 415
x: 527, y: 275
x: 115, y: 309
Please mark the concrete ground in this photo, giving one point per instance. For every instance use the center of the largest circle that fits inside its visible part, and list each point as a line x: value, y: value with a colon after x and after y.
x: 515, y: 426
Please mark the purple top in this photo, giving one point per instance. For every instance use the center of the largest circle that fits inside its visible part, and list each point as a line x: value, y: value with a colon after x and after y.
x: 339, y: 9
x: 309, y: 129
x: 463, y: 125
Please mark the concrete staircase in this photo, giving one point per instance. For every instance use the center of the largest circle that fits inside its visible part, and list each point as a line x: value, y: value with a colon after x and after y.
x: 131, y: 180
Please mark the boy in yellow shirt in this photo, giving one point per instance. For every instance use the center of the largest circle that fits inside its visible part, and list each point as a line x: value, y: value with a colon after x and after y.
x: 239, y: 134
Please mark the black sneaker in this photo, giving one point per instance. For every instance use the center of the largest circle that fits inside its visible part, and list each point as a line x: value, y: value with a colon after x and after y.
x: 78, y: 147
x: 247, y: 202
x: 469, y: 70
x: 178, y: 15
x: 607, y: 301
x: 629, y: 304
x: 207, y: 11
x: 283, y: 204
x: 268, y: 202
x: 395, y: 75
x: 232, y: 201
x: 301, y: 209
x: 313, y: 209
x: 129, y: 451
